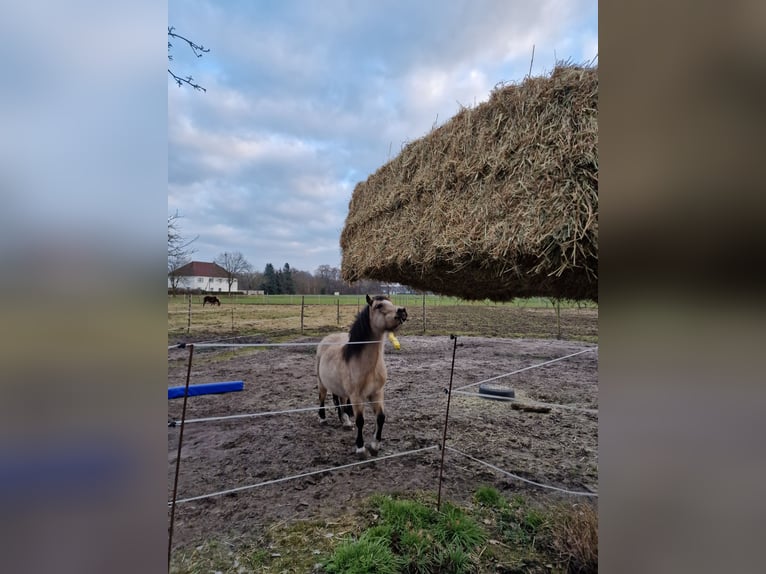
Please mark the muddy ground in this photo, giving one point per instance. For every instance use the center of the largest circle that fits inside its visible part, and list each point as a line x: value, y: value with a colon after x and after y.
x: 559, y: 448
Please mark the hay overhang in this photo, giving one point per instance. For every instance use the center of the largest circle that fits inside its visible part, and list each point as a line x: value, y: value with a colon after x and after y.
x: 499, y: 202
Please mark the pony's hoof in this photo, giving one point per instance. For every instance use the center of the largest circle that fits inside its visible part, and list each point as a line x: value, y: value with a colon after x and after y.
x: 374, y: 448
x: 322, y: 421
x: 361, y: 453
x: 348, y: 427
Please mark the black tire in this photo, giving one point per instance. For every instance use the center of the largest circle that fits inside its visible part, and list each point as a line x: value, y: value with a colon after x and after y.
x: 497, y: 393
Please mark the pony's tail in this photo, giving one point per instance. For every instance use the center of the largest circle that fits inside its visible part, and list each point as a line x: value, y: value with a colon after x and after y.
x: 316, y: 368
x: 321, y: 388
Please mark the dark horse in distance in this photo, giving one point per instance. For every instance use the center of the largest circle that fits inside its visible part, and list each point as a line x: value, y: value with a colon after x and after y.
x: 212, y: 299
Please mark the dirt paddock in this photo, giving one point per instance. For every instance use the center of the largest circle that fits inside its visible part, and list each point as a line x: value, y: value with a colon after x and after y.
x: 559, y: 448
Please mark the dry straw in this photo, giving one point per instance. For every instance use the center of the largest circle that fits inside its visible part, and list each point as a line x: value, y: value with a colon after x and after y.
x: 499, y: 202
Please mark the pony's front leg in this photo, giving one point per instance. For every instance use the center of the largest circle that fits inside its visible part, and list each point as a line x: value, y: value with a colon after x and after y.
x: 380, y: 418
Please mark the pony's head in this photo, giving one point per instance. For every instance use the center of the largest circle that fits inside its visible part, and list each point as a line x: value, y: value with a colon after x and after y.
x: 380, y: 315
x: 384, y: 315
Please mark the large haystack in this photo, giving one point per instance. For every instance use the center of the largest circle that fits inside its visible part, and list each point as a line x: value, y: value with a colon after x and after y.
x: 499, y: 202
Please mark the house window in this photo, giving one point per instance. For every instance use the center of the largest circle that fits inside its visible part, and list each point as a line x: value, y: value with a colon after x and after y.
x: 200, y: 280
x: 219, y: 279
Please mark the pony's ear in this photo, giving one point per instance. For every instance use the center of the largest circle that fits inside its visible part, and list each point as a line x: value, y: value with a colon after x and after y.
x: 369, y: 301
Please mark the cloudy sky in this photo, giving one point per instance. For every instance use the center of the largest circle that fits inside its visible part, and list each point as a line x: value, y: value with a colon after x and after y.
x: 307, y: 98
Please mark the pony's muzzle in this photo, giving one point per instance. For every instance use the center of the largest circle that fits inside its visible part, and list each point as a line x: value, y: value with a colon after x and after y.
x: 401, y: 314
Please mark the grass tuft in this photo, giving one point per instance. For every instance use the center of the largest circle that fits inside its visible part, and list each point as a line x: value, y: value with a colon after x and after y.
x: 456, y: 560
x: 422, y: 539
x: 456, y: 529
x: 489, y: 496
x: 367, y: 555
x: 405, y: 515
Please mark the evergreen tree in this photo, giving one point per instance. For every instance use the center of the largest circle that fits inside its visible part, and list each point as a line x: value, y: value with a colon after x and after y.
x: 287, y: 283
x: 278, y: 275
x: 270, y: 285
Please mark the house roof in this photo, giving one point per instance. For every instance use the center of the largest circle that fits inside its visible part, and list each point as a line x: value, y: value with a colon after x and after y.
x: 201, y: 269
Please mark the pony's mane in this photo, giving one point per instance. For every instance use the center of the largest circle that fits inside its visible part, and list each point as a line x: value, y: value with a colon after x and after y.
x: 360, y: 331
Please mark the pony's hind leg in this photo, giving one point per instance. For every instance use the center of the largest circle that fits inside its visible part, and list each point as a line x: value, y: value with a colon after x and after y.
x: 380, y: 418
x: 348, y: 412
x: 358, y: 408
x: 344, y: 412
x: 336, y: 402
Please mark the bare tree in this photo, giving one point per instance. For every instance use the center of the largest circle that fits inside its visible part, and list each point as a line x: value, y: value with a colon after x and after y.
x: 174, y: 264
x: 329, y: 279
x: 198, y: 50
x: 305, y: 282
x: 234, y: 264
x: 179, y: 250
x: 250, y: 280
x: 365, y: 286
x: 177, y: 244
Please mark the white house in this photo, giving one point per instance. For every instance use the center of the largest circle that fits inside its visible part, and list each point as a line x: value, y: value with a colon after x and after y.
x: 204, y: 276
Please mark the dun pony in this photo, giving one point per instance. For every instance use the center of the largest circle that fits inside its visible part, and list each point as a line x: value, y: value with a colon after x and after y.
x: 351, y: 367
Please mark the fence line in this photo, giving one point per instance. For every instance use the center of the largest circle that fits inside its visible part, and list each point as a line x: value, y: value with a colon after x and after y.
x: 535, y: 403
x: 298, y: 410
x: 500, y: 470
x: 525, y: 369
x: 390, y: 400
x: 395, y: 399
x: 244, y: 345
x: 303, y: 475
x: 217, y: 340
x: 414, y: 400
x: 317, y: 314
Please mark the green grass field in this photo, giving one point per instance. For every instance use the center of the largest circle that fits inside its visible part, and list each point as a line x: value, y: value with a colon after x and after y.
x: 285, y: 316
x: 408, y: 534
x: 354, y: 300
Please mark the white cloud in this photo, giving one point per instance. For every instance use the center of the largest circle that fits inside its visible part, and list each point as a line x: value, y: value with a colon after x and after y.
x: 227, y: 153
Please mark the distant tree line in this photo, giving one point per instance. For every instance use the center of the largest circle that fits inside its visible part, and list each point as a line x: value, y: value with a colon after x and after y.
x: 325, y: 280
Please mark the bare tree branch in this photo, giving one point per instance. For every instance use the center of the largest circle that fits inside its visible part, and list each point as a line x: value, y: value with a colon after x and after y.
x: 198, y: 50
x: 234, y: 264
x: 179, y: 250
x: 178, y: 247
x: 186, y: 80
